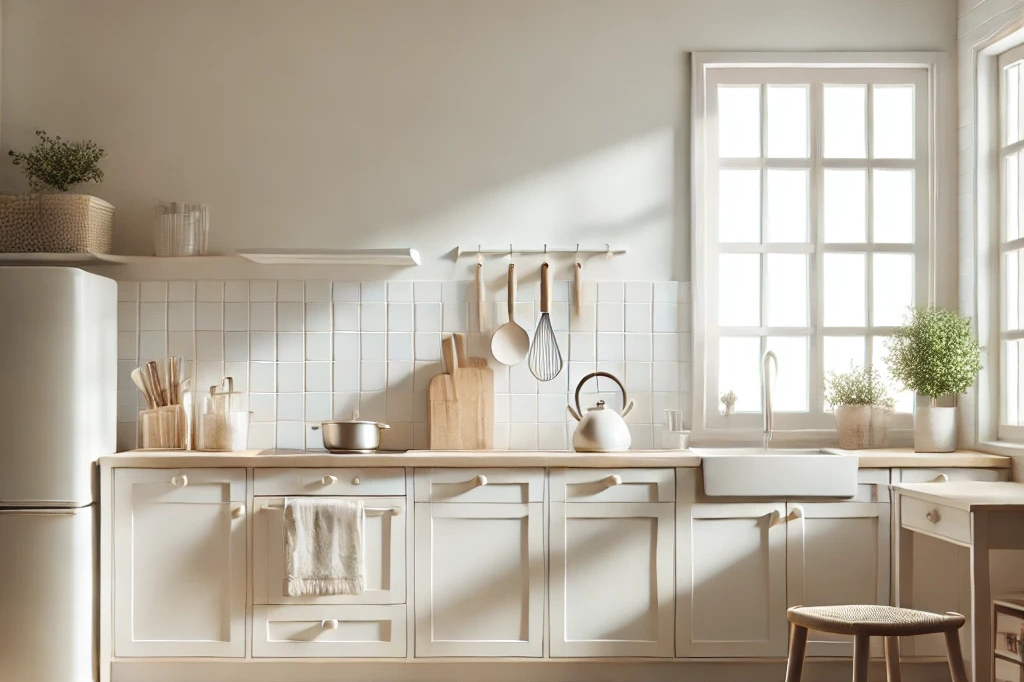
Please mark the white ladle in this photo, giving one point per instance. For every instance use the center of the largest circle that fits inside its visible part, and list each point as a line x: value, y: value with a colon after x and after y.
x: 510, y: 342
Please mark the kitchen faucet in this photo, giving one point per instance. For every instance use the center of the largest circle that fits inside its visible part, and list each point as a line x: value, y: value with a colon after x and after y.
x: 767, y: 393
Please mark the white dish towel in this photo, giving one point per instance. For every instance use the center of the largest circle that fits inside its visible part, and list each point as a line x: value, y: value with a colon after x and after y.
x: 323, y: 546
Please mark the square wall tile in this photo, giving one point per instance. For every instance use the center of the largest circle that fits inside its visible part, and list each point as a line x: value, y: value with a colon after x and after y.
x: 399, y: 407
x: 454, y: 317
x: 639, y: 292
x: 610, y: 292
x: 639, y: 317
x: 346, y: 317
x: 427, y: 317
x: 666, y: 347
x: 523, y: 409
x: 666, y: 317
x: 666, y: 376
x: 182, y: 343
x: 210, y: 316
x: 523, y: 437
x: 289, y: 290
x: 317, y: 291
x: 426, y: 292
x: 180, y: 316
x: 610, y: 317
x: 291, y: 435
x: 427, y: 346
x: 289, y: 316
x: 551, y: 408
x: 181, y: 291
x: 262, y: 290
x: 290, y: 377
x: 457, y: 292
x: 236, y: 346
x: 610, y: 347
x: 375, y: 292
x: 400, y: 347
x: 639, y: 348
x: 263, y: 316
x: 290, y: 406
x: 666, y: 292
x: 318, y: 347
x: 152, y: 345
x: 210, y: 346
x: 262, y: 346
x: 236, y: 291
x: 127, y: 291
x: 236, y: 317
x: 373, y: 406
x: 400, y: 292
x: 152, y: 316
x: 209, y: 291
x: 373, y: 346
x: 263, y: 406
x: 127, y: 316
x: 346, y: 377
x: 263, y: 436
x: 638, y: 377
x: 263, y: 377
x: 318, y: 407
x: 373, y: 376
x: 552, y: 437
x: 401, y: 376
x: 318, y: 317
x: 582, y: 347
x: 318, y: 377
x: 584, y: 319
x: 346, y: 346
x: 345, y: 291
x: 153, y: 291
x: 400, y: 317
x: 239, y: 372
x: 521, y: 380
x: 344, y: 405
x: 373, y: 317
x: 289, y: 347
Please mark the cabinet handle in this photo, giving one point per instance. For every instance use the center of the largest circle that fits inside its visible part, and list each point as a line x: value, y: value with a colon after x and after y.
x: 933, y: 516
x: 356, y: 481
x: 774, y: 517
x: 797, y: 513
x: 238, y: 512
x: 179, y: 481
x: 613, y: 481
x: 329, y: 480
x: 479, y: 481
x: 941, y: 478
x: 331, y: 624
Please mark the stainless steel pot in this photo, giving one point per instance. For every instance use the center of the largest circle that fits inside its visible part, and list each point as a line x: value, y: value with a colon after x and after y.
x: 352, y: 436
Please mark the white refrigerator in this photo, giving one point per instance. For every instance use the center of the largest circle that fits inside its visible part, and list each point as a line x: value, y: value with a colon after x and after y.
x: 58, y: 370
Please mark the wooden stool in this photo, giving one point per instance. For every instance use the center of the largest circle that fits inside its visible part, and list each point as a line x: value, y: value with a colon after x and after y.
x: 865, y: 622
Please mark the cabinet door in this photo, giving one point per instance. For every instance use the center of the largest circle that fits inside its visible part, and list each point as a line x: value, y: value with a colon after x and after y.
x: 179, y: 562
x: 383, y: 554
x: 837, y: 553
x: 479, y: 579
x: 611, y: 579
x: 731, y: 567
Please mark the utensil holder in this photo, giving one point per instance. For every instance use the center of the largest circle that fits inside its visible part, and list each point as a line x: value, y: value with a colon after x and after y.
x: 163, y: 428
x: 675, y: 440
x: 224, y: 431
x: 181, y: 229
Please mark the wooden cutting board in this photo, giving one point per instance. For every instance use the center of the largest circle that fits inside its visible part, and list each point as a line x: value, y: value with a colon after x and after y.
x: 461, y: 403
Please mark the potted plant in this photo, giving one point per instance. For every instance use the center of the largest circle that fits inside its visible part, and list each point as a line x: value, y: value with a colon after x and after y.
x: 861, y: 403
x: 50, y: 219
x: 934, y: 354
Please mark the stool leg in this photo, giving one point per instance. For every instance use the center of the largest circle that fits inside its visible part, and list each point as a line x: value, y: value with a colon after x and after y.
x: 892, y: 659
x: 955, y: 657
x: 797, y: 648
x: 861, y: 652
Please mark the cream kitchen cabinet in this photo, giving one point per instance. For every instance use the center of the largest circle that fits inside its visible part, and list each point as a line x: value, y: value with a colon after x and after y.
x: 479, y: 563
x: 179, y: 562
x: 611, y: 577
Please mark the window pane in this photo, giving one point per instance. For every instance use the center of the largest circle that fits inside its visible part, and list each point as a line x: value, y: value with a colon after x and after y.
x: 1011, y: 196
x: 892, y: 207
x: 1011, y: 104
x: 904, y: 399
x: 792, y: 386
x: 845, y: 200
x: 739, y: 370
x: 787, y: 122
x: 787, y: 205
x: 844, y: 289
x: 739, y: 121
x: 739, y: 206
x: 844, y: 121
x: 1013, y: 360
x: 739, y: 290
x: 892, y: 288
x: 893, y: 121
x: 843, y: 352
x: 787, y: 290
x: 1012, y: 288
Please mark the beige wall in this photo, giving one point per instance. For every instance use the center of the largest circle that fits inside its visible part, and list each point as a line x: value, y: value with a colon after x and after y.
x: 422, y: 123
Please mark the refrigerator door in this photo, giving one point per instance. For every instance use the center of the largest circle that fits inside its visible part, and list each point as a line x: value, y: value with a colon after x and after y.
x: 58, y: 360
x: 47, y: 574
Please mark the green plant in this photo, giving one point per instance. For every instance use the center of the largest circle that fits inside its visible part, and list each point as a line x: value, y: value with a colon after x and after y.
x: 934, y: 353
x: 58, y: 164
x: 859, y: 386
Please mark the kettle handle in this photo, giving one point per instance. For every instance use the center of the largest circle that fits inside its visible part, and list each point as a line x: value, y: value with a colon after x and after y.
x: 625, y: 399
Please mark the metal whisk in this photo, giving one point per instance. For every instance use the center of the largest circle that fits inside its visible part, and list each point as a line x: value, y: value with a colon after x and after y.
x: 545, y: 357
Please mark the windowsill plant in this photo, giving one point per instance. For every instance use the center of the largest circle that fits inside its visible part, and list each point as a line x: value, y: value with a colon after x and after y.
x: 862, y: 406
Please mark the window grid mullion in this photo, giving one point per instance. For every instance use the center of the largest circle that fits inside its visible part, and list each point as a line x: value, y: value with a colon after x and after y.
x: 817, y: 237
x: 869, y: 217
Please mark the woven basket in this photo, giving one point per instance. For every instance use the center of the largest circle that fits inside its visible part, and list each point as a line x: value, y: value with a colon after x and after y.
x: 859, y: 427
x: 55, y: 223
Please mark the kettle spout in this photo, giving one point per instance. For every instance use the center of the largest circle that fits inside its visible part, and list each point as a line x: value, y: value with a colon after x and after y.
x: 573, y: 412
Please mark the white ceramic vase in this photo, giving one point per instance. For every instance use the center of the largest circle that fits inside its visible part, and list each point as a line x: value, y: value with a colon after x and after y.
x: 935, y: 429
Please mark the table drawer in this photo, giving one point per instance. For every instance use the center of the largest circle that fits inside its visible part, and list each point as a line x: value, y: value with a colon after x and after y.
x: 512, y: 486
x: 328, y: 631
x: 333, y: 481
x: 936, y: 519
x: 1008, y: 671
x: 1010, y: 634
x: 612, y: 485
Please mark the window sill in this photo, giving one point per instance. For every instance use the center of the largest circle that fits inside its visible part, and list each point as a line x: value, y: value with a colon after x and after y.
x: 810, y: 438
x: 1004, y: 448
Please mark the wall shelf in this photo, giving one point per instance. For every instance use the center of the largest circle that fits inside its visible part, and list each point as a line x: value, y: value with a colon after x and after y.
x: 392, y: 257
x: 60, y: 258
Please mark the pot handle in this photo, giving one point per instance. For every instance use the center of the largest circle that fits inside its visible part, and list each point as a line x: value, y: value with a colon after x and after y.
x: 383, y: 426
x: 625, y: 399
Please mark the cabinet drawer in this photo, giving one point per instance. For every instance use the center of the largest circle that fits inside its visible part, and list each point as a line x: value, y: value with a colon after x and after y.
x: 929, y: 475
x: 1008, y: 671
x: 936, y: 519
x: 335, y: 481
x: 383, y: 554
x: 513, y: 486
x: 612, y: 485
x: 1010, y: 634
x: 328, y: 631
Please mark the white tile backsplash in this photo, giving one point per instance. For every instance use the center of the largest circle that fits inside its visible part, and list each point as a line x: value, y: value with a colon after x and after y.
x: 316, y: 350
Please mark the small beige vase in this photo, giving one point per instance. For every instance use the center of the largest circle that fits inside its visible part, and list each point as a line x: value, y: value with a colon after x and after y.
x: 853, y: 426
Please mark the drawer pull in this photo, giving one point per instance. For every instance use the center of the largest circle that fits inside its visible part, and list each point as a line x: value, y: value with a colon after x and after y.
x: 329, y: 480
x: 238, y: 512
x: 941, y: 478
x: 330, y: 624
x: 356, y: 481
x: 933, y: 516
x: 179, y: 481
x: 797, y: 513
x: 613, y: 481
x: 479, y: 481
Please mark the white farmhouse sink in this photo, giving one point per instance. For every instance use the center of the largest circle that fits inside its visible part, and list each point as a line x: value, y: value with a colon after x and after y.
x: 754, y: 472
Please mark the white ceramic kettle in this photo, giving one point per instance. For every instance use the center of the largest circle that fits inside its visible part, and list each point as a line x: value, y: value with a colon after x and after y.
x: 600, y: 428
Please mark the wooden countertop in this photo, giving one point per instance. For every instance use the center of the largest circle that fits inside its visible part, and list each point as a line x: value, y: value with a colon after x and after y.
x: 892, y: 458
x: 968, y: 495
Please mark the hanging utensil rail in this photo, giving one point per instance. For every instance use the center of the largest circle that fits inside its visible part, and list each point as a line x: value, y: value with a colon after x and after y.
x: 606, y: 251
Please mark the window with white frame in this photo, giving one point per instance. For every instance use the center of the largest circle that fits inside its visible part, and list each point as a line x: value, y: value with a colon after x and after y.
x: 813, y: 206
x: 1011, y: 243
